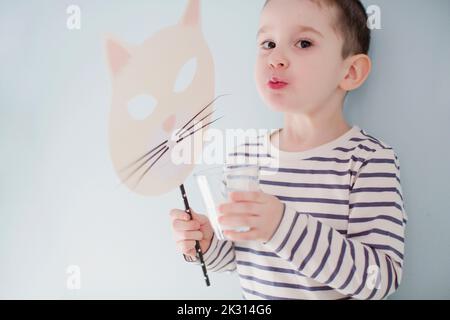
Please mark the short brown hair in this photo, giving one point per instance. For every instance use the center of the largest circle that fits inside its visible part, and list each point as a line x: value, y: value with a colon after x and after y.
x: 351, y: 23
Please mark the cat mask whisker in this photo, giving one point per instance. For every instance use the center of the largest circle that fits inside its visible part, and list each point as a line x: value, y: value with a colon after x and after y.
x: 193, y: 118
x: 191, y: 133
x: 142, y: 157
x: 192, y: 126
x: 153, y: 163
x: 147, y: 160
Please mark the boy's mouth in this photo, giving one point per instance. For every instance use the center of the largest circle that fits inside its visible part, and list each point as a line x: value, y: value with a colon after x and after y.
x: 276, y: 83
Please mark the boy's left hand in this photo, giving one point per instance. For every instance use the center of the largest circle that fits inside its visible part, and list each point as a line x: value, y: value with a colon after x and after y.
x: 260, y: 211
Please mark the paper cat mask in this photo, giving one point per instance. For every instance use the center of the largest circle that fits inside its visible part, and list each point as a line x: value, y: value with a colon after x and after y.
x: 149, y: 105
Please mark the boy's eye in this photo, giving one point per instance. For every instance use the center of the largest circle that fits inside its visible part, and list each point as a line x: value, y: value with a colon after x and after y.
x: 305, y: 43
x: 271, y: 44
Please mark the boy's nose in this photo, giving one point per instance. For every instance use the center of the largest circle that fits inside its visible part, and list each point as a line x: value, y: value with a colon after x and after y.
x: 278, y: 62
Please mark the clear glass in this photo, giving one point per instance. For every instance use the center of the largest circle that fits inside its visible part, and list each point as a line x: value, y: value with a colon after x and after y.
x: 217, y: 182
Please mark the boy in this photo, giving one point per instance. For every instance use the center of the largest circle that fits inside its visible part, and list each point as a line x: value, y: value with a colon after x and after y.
x: 329, y: 224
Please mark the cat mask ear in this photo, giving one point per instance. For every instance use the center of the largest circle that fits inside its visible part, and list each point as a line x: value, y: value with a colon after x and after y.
x: 118, y: 55
x: 191, y: 16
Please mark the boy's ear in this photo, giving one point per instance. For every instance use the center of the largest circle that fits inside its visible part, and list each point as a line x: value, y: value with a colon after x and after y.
x: 357, y: 70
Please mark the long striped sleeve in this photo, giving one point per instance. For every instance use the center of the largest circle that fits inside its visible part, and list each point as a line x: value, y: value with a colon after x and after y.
x: 366, y: 261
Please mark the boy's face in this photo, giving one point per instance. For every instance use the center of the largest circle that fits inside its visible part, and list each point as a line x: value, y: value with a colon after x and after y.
x: 310, y: 62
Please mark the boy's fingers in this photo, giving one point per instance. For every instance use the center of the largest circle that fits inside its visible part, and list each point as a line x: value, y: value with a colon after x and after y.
x: 253, y: 196
x: 202, y: 219
x: 181, y: 225
x: 192, y: 253
x: 237, y: 220
x: 238, y: 208
x: 186, y: 245
x: 177, y: 214
x: 188, y: 235
x: 250, y: 235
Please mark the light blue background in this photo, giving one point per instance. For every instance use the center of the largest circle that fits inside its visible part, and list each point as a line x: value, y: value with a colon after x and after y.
x: 58, y: 202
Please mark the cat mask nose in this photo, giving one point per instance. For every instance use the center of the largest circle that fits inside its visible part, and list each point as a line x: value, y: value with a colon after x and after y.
x: 169, y: 124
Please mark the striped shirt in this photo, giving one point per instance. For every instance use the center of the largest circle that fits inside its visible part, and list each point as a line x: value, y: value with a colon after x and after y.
x: 341, y: 235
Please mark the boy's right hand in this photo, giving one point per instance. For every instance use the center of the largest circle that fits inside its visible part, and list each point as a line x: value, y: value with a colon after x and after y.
x: 186, y: 231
